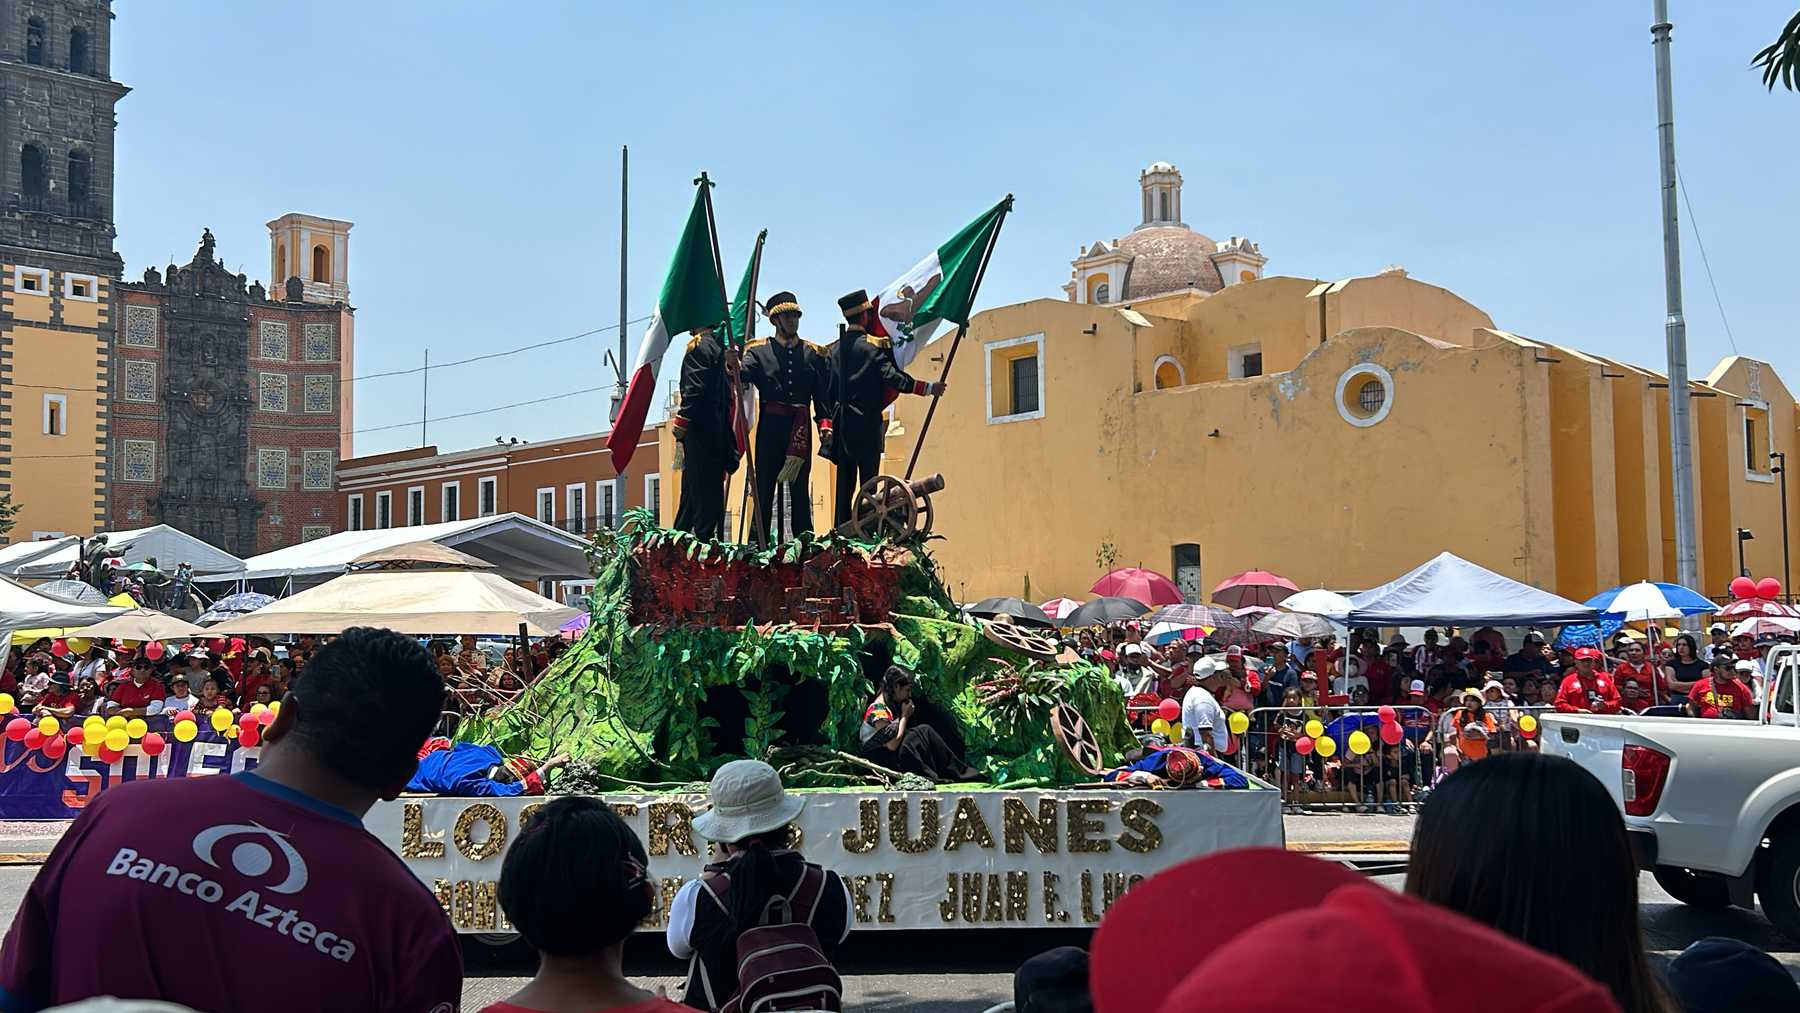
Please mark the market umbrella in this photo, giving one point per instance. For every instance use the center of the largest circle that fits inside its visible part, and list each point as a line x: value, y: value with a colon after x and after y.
x: 1147, y: 586
x: 1253, y: 587
x: 233, y: 605
x: 1766, y: 626
x: 1020, y: 610
x: 1293, y: 625
x: 1101, y: 611
x: 1059, y: 608
x: 1645, y: 600
x: 1187, y: 614
x: 141, y: 624
x: 78, y: 591
x: 1744, y: 608
x: 1162, y: 633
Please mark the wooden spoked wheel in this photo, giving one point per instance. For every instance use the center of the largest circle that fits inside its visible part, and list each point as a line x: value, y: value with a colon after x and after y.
x: 1076, y: 738
x: 885, y: 508
x: 1019, y: 639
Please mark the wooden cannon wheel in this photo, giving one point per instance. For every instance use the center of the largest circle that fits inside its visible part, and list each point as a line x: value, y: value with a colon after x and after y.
x: 885, y: 508
x: 1019, y: 639
x: 1076, y: 738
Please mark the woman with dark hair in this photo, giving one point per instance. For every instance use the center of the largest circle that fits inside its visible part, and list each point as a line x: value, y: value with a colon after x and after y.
x: 576, y: 884
x: 1533, y: 846
x: 891, y: 738
x: 751, y: 819
x: 1680, y: 674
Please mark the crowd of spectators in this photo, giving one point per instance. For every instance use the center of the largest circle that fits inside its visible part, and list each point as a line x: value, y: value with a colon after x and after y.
x: 74, y: 678
x: 477, y: 683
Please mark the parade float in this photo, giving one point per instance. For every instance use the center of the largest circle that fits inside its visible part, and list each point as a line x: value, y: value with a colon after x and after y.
x: 700, y: 652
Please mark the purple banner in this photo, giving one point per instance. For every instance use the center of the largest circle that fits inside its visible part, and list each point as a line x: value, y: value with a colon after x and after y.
x: 35, y: 787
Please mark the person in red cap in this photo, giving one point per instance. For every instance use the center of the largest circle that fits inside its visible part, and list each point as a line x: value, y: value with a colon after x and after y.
x: 1368, y: 948
x: 1585, y: 690
x: 1636, y: 678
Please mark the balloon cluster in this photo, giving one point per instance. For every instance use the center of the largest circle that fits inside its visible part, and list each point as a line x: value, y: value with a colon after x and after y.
x: 1768, y: 588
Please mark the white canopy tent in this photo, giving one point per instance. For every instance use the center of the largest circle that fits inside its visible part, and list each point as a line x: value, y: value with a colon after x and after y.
x: 519, y: 547
x: 21, y: 608
x: 169, y: 546
x: 419, y: 602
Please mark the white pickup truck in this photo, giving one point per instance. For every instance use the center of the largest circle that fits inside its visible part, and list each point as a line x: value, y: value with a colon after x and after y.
x: 1712, y: 806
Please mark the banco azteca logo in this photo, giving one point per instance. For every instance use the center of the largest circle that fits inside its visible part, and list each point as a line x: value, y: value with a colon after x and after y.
x: 250, y: 856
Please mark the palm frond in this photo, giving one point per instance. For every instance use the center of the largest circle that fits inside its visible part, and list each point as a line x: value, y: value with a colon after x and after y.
x: 1780, y: 60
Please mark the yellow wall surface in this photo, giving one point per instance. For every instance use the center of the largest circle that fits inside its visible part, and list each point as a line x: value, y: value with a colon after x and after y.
x: 1746, y: 384
x: 55, y: 479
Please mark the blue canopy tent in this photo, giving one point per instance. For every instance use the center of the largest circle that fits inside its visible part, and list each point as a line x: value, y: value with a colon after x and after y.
x: 1448, y: 590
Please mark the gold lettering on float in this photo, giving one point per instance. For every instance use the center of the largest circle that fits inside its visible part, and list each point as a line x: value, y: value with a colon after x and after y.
x: 1018, y: 885
x: 1142, y: 835
x: 1053, y: 909
x: 480, y: 812
x: 441, y: 887
x: 1082, y: 828
x: 462, y: 903
x: 664, y: 833
x: 1017, y: 823
x: 967, y: 825
x: 899, y: 818
x: 1088, y: 912
x: 867, y: 834
x: 413, y: 842
x: 859, y: 897
x: 667, y: 887
x: 487, y: 895
x: 947, y: 906
x: 971, y: 897
x: 886, y: 905
x: 1114, y: 884
x: 529, y: 811
x: 627, y: 811
x: 991, y: 911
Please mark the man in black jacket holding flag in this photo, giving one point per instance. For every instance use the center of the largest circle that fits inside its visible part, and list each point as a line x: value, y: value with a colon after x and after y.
x: 705, y: 444
x: 791, y: 383
x: 865, y: 380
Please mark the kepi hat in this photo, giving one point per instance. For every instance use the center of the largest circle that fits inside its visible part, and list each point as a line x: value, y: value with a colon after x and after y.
x: 781, y: 302
x: 855, y: 304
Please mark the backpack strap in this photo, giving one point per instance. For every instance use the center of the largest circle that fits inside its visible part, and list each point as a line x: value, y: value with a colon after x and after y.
x: 805, y: 898
x: 718, y: 886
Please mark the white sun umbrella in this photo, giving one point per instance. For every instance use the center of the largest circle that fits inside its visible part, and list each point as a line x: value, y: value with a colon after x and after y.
x: 1760, y: 626
x: 1294, y: 625
x: 1319, y: 602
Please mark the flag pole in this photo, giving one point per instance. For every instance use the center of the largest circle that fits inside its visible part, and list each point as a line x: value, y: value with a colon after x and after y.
x: 712, y: 231
x: 745, y: 503
x: 961, y: 328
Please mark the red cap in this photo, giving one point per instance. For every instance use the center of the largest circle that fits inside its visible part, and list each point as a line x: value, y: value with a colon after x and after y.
x: 1591, y: 653
x: 1369, y: 947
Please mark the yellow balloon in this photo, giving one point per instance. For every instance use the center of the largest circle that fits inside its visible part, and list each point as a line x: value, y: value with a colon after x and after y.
x: 221, y: 719
x: 94, y: 729
x: 185, y: 731
x: 136, y: 728
x: 1174, y: 731
x: 230, y: 732
x: 275, y: 707
x: 1238, y: 722
x: 115, y: 723
x: 49, y: 726
x: 130, y: 643
x: 117, y: 740
x: 7, y: 703
x: 258, y: 708
x: 1159, y: 726
x: 1359, y: 742
x: 79, y: 645
x: 1527, y: 723
x: 1314, y: 729
x: 1324, y: 745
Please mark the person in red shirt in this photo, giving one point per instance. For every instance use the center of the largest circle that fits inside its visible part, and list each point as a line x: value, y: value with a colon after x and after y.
x: 1721, y: 693
x: 59, y: 701
x: 1635, y: 677
x: 132, y: 697
x: 1585, y: 690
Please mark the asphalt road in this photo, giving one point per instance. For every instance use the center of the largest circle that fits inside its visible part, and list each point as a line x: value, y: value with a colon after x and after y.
x: 958, y: 971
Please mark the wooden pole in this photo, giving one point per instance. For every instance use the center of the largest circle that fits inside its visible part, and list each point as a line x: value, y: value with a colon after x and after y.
x: 950, y: 357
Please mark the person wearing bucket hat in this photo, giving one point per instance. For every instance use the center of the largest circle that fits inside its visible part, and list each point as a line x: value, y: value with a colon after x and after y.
x: 1368, y: 948
x: 865, y: 379
x: 790, y: 378
x: 750, y: 817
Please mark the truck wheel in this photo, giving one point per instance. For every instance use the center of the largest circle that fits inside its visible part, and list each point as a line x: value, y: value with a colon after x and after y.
x: 1705, y: 890
x: 1778, y: 883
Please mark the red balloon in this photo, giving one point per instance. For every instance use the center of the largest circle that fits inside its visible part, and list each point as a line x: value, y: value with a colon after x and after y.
x: 246, y: 720
x: 60, y: 648
x: 1743, y: 587
x: 1768, y: 589
x: 33, y: 739
x: 17, y: 728
x: 266, y: 718
x: 153, y: 650
x: 1391, y: 734
x: 1169, y: 710
x: 1303, y: 746
x: 111, y: 755
x: 56, y: 747
x: 1385, y: 713
x: 181, y: 716
x: 250, y: 736
x: 75, y: 735
x: 152, y: 744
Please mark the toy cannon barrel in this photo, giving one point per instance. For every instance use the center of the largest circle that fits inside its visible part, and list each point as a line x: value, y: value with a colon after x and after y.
x: 887, y: 507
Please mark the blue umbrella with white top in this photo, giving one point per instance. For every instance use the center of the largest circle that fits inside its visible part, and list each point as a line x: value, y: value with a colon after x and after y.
x: 1647, y: 600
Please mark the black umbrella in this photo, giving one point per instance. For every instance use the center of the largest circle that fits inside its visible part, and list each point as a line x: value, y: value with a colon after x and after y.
x: 1101, y: 611
x: 1019, y: 609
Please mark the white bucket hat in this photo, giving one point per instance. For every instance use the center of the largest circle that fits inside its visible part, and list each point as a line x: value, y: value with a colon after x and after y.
x: 747, y: 799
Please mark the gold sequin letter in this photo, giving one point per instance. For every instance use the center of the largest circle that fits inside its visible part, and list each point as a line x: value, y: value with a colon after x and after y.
x: 966, y: 824
x: 947, y: 906
x: 412, y: 834
x: 886, y: 908
x: 859, y: 897
x: 867, y: 834
x: 1082, y: 828
x: 1142, y: 835
x: 679, y: 833
x: 1017, y: 823
x: 928, y: 826
x: 480, y: 812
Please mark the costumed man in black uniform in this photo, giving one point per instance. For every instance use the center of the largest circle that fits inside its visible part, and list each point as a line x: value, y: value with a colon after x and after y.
x: 865, y: 379
x: 705, y: 445
x: 791, y: 383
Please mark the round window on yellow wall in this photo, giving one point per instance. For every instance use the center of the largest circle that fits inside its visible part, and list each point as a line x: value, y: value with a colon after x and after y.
x: 1365, y: 394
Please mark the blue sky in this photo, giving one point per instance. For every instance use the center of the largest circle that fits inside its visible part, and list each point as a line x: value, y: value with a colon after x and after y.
x: 1508, y: 153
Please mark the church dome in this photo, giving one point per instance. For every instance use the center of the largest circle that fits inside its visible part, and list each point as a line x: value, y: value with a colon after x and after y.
x: 1169, y: 259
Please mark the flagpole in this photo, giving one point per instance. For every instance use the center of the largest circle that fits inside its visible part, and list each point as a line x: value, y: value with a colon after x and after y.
x: 712, y: 231
x: 744, y: 504
x: 961, y: 328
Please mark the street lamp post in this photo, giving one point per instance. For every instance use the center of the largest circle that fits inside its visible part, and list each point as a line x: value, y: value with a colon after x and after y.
x: 1743, y: 535
x: 1780, y: 468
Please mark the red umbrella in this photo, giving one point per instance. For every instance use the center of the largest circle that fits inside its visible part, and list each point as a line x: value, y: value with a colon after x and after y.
x: 1147, y: 586
x: 1253, y: 587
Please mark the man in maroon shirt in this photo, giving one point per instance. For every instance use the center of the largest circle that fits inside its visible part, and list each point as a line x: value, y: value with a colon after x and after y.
x: 131, y: 698
x: 260, y: 890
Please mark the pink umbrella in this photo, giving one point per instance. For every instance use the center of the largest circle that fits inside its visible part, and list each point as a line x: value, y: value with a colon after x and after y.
x: 1253, y: 587
x: 1147, y: 586
x: 1746, y: 608
x: 1059, y: 608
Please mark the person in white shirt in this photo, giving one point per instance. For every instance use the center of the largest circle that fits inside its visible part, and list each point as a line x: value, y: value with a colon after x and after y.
x: 94, y: 666
x: 1721, y: 638
x: 1202, y: 719
x: 1341, y: 684
x: 180, y: 696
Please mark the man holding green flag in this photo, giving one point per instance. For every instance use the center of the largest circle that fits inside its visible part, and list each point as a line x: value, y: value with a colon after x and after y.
x: 705, y: 448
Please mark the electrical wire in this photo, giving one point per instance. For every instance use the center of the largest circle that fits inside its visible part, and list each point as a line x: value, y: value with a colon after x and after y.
x: 1694, y: 223
x: 485, y: 411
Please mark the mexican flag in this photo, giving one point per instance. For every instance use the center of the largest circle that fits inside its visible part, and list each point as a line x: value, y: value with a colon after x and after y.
x: 743, y: 329
x: 938, y: 288
x: 693, y: 295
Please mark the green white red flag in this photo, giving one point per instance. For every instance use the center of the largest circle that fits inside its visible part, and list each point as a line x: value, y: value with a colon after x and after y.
x: 938, y: 288
x: 693, y: 295
x: 743, y: 329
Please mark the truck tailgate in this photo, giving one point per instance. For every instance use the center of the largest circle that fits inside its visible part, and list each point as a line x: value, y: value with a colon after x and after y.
x: 1598, y: 745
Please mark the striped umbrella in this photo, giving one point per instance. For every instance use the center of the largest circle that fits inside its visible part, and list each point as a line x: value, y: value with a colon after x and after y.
x: 1746, y: 608
x: 1646, y: 600
x: 1059, y: 608
x: 1189, y: 614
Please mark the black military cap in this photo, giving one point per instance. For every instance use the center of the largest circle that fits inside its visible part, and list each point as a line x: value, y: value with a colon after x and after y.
x: 855, y: 304
x: 782, y: 302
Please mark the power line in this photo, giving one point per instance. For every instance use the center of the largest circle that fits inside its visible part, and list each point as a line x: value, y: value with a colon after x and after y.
x: 1694, y: 223
x: 487, y: 411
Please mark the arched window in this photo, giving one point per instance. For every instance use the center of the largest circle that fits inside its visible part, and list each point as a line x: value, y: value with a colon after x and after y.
x: 78, y: 50
x: 32, y: 180
x: 321, y: 264
x: 81, y: 177
x: 1162, y: 206
x: 34, y: 41
x: 1168, y: 373
x: 1102, y: 292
